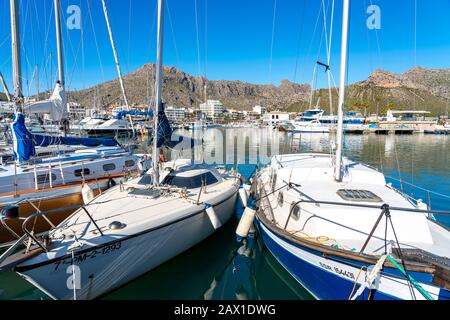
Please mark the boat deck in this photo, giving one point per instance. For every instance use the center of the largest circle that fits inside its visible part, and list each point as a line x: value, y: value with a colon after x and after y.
x: 312, y: 178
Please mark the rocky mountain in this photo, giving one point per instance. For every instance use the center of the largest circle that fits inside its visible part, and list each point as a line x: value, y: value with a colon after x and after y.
x: 418, y: 88
x: 184, y: 90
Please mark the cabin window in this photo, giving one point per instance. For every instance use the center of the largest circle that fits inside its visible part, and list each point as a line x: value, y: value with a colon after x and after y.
x: 109, y: 167
x: 45, y: 178
x: 82, y: 172
x: 358, y: 195
x: 129, y: 163
x: 295, y: 210
x: 190, y: 182
x: 146, y: 179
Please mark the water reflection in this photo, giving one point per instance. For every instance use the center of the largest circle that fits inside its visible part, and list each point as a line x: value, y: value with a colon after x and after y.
x: 221, y: 268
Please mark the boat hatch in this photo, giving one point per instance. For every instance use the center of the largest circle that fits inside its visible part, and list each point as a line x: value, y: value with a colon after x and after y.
x: 358, y: 195
x: 145, y: 193
x: 191, y: 179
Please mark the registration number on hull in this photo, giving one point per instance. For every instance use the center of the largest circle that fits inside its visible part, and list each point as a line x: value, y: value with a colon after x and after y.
x: 93, y: 254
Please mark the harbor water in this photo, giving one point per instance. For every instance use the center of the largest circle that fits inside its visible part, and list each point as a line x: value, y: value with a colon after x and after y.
x: 222, y: 268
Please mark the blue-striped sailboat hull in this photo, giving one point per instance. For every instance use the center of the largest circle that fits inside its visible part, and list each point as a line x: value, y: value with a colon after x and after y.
x: 326, y: 284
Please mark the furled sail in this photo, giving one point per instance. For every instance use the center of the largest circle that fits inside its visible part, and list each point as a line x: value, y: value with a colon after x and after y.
x: 164, y: 131
x: 24, y: 142
x: 55, y: 106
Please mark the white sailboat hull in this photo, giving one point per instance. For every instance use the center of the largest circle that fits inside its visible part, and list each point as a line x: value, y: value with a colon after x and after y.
x: 106, y: 267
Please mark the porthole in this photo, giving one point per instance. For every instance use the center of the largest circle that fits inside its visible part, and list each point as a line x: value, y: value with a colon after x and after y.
x: 109, y: 167
x: 295, y: 210
x: 82, y: 172
x: 129, y: 163
x: 45, y: 178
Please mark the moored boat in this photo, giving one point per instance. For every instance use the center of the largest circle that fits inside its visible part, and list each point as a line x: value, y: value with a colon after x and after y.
x: 341, y: 230
x: 46, y: 183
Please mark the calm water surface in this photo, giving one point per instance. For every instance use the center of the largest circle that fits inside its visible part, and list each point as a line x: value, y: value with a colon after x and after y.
x: 221, y: 268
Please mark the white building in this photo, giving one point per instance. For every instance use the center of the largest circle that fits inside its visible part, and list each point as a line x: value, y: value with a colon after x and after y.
x: 175, y: 114
x: 259, y: 110
x: 276, y: 117
x: 76, y: 111
x: 6, y: 107
x: 212, y: 108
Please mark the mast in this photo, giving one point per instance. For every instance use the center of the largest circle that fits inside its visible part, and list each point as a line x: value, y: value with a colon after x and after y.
x: 116, y: 58
x: 342, y: 82
x: 158, y: 91
x: 37, y: 82
x: 329, y: 60
x: 59, y: 47
x: 5, y: 87
x: 15, y: 43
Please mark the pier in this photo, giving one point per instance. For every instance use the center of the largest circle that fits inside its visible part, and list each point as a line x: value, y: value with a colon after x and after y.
x: 379, y: 130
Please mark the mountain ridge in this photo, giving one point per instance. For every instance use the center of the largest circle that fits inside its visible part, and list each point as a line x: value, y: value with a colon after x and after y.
x: 417, y: 88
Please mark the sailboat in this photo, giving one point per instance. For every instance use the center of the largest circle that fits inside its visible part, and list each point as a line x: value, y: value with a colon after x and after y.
x: 342, y: 231
x: 33, y: 184
x: 132, y: 227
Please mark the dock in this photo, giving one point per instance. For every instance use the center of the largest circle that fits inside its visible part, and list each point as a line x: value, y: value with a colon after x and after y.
x: 378, y: 130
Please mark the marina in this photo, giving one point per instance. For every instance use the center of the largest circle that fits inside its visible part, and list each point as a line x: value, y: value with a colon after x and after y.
x: 252, y: 271
x: 221, y: 190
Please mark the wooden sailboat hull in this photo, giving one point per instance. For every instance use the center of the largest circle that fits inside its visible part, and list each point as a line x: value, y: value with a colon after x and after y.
x: 46, y: 200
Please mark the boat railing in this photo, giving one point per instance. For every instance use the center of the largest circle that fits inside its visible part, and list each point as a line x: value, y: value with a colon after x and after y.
x: 385, y: 211
x: 44, y: 214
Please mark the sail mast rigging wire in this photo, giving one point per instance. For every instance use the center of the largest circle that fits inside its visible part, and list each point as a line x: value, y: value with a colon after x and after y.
x: 273, y: 39
x: 116, y: 58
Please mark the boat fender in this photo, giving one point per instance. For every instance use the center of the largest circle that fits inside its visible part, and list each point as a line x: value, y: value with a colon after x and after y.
x: 215, y: 221
x: 87, y: 193
x: 247, y: 218
x: 421, y: 205
x: 243, y: 196
x: 111, y: 183
x: 247, y: 188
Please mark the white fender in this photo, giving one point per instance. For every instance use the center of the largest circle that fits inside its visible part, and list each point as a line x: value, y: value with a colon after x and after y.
x: 87, y: 193
x: 246, y: 222
x: 243, y: 196
x: 421, y: 205
x: 247, y: 188
x: 213, y: 217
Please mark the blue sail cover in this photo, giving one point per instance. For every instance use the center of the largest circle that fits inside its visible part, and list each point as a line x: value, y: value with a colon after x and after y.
x: 122, y: 114
x: 24, y: 142
x: 165, y: 134
x: 164, y: 131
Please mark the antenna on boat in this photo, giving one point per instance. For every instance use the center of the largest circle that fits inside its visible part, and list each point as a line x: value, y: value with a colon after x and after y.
x: 343, y: 76
x: 158, y: 91
x: 15, y: 43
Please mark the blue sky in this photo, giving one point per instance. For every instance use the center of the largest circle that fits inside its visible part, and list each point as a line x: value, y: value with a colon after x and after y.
x: 234, y: 37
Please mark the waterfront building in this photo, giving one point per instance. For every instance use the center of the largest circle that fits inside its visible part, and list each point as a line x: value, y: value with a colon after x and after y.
x: 176, y: 114
x: 276, y: 117
x: 212, y: 108
x: 234, y: 114
x: 259, y: 110
x: 76, y: 110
